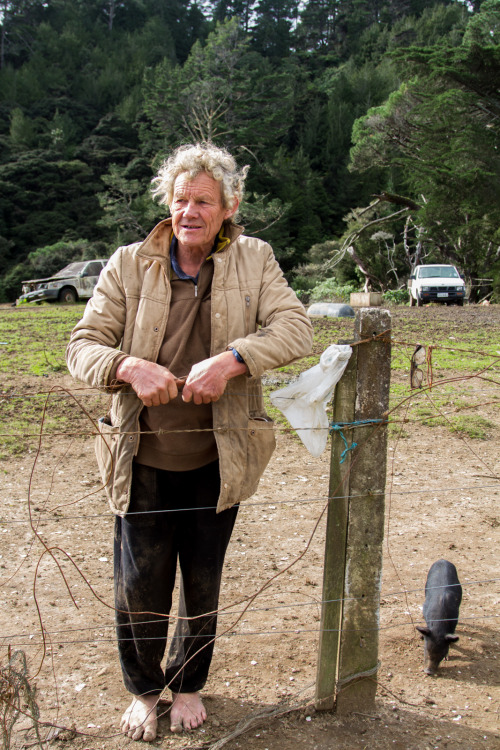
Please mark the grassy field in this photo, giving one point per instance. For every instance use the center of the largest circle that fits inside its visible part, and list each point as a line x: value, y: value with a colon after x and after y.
x: 33, y: 341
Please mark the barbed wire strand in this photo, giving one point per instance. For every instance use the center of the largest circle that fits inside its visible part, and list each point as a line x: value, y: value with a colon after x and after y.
x: 267, y: 608
x: 277, y: 426
x: 271, y: 504
x: 249, y: 633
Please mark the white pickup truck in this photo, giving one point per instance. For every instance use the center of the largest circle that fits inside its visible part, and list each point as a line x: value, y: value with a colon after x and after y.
x: 436, y: 283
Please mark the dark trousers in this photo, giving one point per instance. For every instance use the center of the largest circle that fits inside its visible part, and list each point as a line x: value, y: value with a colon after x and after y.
x: 171, y: 517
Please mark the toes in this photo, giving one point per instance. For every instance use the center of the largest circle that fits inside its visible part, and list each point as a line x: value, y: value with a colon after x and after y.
x: 149, y: 733
x: 136, y: 733
x: 146, y: 732
x: 139, y: 721
x: 176, y: 728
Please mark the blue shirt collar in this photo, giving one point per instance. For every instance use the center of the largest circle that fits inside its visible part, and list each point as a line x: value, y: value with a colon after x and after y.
x: 175, y: 264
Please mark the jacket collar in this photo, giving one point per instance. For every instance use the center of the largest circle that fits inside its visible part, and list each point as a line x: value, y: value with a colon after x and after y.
x: 157, y: 244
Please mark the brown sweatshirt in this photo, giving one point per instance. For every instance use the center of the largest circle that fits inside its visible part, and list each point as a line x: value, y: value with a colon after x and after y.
x: 186, y: 341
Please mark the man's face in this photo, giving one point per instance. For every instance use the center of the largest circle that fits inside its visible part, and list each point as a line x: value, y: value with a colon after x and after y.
x: 197, y: 211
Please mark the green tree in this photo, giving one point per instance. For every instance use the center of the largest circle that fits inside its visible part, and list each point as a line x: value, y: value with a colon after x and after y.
x: 226, y: 9
x: 382, y: 241
x: 128, y: 209
x: 316, y: 29
x: 22, y: 131
x: 224, y: 92
x: 272, y: 35
x: 290, y: 178
x: 441, y: 131
x: 43, y: 199
x: 18, y: 19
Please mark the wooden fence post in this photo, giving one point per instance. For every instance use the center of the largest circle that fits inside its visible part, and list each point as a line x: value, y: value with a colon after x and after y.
x: 348, y: 648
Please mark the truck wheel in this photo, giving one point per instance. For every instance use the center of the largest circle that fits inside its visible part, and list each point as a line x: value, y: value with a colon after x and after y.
x: 460, y: 302
x: 419, y: 301
x: 412, y: 301
x: 67, y: 296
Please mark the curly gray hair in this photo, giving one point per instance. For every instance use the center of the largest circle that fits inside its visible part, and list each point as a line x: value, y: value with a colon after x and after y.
x: 196, y: 158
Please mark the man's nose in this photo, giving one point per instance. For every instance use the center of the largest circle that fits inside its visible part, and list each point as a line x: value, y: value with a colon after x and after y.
x: 191, y: 208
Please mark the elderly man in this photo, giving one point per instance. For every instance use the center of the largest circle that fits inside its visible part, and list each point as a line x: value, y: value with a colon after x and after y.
x: 181, y: 327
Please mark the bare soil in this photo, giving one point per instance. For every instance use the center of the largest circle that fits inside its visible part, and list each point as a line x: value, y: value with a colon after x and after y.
x: 442, y: 501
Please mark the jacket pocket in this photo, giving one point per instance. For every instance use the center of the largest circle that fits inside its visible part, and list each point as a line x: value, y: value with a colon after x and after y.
x: 106, y: 449
x: 260, y: 447
x: 115, y: 450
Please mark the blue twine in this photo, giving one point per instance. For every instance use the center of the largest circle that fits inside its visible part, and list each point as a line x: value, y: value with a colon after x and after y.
x: 339, y: 426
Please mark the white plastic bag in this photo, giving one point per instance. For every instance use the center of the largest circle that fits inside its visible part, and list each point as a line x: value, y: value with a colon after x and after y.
x: 304, y: 402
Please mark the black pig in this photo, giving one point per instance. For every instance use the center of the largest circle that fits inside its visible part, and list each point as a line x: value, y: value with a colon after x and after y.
x: 443, y: 594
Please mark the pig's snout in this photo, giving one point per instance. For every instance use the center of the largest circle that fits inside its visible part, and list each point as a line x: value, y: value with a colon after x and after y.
x: 430, y: 665
x: 430, y: 670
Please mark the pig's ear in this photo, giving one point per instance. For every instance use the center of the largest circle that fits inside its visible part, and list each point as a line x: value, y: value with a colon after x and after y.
x: 424, y: 631
x: 451, y: 638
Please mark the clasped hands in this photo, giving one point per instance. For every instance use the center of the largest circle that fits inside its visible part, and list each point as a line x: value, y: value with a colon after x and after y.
x: 155, y: 384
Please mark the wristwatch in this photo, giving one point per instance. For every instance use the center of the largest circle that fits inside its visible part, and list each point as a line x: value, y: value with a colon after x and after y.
x: 237, y: 355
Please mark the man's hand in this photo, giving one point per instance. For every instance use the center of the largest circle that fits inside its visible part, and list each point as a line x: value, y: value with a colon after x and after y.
x: 153, y: 383
x: 207, y: 380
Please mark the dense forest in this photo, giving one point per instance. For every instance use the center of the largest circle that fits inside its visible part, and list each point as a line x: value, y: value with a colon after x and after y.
x: 371, y: 128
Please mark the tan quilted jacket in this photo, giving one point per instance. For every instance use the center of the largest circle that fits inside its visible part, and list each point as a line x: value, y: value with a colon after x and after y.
x: 253, y: 309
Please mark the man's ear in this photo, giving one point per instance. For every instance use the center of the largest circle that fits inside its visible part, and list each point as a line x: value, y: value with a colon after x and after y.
x: 231, y: 211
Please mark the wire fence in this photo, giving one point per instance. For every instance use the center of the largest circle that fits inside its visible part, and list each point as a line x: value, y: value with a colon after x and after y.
x: 30, y: 551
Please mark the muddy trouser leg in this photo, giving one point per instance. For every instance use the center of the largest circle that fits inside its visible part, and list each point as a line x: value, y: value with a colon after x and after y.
x: 203, y: 539
x: 147, y: 543
x: 145, y: 560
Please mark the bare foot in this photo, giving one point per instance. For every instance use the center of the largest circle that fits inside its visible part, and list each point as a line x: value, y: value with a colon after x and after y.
x: 139, y: 720
x: 187, y: 712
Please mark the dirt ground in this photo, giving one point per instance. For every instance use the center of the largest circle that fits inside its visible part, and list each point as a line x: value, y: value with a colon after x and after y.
x: 442, y: 501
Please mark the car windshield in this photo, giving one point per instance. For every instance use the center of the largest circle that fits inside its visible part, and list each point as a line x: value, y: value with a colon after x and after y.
x: 72, y: 270
x: 434, y: 272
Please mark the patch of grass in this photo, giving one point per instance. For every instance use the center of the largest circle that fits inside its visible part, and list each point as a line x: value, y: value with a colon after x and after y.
x: 33, y: 340
x: 456, y: 347
x: 21, y: 420
x: 469, y: 424
x: 396, y: 431
x: 423, y: 411
x: 472, y: 426
x: 23, y: 417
